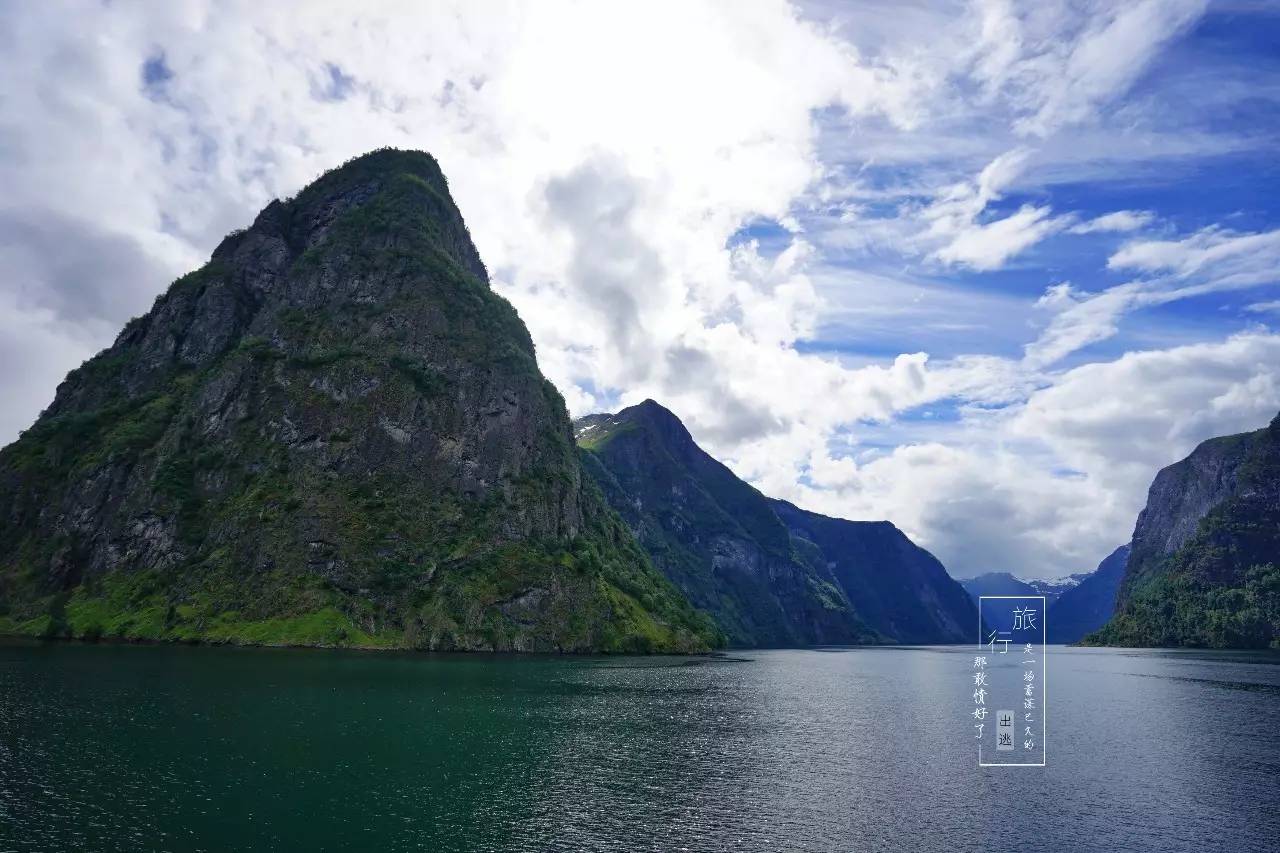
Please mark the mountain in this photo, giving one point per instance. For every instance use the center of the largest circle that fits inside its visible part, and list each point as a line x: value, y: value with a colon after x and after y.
x: 1089, y: 604
x: 1052, y: 590
x: 1003, y: 583
x: 897, y: 586
x: 769, y: 573
x: 714, y: 536
x: 1075, y: 605
x: 996, y: 583
x: 1204, y: 569
x: 332, y: 433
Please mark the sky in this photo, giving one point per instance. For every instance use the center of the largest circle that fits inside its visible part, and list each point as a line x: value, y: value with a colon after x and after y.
x: 977, y: 268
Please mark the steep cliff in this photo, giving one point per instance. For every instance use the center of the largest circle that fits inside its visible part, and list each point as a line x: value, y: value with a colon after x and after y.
x: 899, y: 588
x: 334, y: 432
x: 768, y: 572
x: 714, y: 536
x: 1087, y: 606
x: 1205, y: 563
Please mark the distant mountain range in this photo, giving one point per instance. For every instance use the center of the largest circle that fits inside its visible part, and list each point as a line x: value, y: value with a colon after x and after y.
x: 1003, y: 583
x: 1074, y: 606
x: 768, y: 572
x: 1203, y: 568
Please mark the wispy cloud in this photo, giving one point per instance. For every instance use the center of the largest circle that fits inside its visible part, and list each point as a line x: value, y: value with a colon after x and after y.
x: 1209, y: 261
x: 1219, y: 257
x: 1120, y: 221
x: 931, y: 167
x: 1072, y: 83
x: 988, y: 246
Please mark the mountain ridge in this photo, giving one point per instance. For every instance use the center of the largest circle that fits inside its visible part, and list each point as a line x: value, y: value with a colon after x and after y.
x: 332, y: 433
x: 1088, y: 605
x: 712, y: 535
x: 917, y: 603
x: 716, y: 537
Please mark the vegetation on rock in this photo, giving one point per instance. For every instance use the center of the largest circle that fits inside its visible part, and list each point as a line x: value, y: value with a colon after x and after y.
x: 334, y: 433
x: 1205, y: 565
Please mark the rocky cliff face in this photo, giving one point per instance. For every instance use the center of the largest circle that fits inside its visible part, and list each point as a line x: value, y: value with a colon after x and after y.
x: 1180, y: 496
x: 1205, y: 563
x: 332, y: 432
x: 899, y: 588
x: 769, y: 573
x: 713, y: 535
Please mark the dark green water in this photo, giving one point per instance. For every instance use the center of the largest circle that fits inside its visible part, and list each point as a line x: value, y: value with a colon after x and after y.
x: 178, y: 748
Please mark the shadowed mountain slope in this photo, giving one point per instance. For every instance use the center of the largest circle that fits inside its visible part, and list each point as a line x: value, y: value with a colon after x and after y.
x: 1088, y: 605
x: 769, y: 573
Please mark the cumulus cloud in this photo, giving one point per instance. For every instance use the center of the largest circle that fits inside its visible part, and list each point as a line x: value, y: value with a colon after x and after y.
x: 27, y: 336
x: 102, y: 279
x: 1158, y: 405
x: 595, y: 180
x: 607, y: 158
x: 611, y: 269
x: 1049, y: 486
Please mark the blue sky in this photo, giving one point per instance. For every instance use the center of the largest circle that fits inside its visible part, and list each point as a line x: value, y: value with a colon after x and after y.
x: 1213, y: 88
x: 981, y: 268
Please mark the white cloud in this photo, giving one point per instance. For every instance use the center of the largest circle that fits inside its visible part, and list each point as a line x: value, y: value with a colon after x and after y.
x: 1120, y: 220
x: 1072, y: 83
x: 1209, y: 261
x: 1050, y: 486
x: 958, y: 206
x: 1158, y: 405
x: 600, y: 178
x: 1082, y: 318
x: 605, y: 156
x: 990, y: 245
x: 950, y: 228
x: 27, y: 335
x: 1225, y: 258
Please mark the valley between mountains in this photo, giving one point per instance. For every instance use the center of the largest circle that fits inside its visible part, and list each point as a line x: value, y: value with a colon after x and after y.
x: 335, y: 433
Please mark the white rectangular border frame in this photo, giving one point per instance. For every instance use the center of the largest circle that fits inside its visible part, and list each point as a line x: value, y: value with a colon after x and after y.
x: 1044, y: 689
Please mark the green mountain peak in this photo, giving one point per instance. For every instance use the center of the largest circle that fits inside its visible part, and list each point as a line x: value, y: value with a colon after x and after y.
x: 332, y: 433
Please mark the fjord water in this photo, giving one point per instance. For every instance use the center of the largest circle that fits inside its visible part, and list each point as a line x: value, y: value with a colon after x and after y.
x: 179, y: 748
